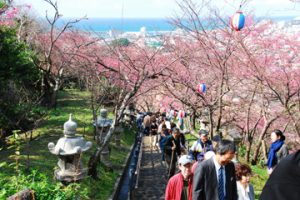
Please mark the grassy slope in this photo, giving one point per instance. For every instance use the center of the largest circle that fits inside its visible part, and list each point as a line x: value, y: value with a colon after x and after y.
x: 52, y: 129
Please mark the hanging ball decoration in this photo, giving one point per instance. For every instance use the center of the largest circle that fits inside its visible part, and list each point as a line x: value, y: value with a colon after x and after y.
x: 201, y: 88
x: 237, y: 21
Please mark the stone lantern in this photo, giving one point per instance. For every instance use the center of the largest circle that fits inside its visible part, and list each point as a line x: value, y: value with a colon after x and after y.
x: 103, y: 126
x: 69, y: 150
x: 236, y: 137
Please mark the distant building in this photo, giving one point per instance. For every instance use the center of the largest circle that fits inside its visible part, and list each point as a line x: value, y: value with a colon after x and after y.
x: 292, y: 26
x: 296, y: 22
x: 114, y: 33
x: 143, y: 31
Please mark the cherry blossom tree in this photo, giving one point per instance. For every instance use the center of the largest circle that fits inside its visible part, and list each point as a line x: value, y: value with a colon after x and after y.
x: 7, y: 12
x: 130, y: 69
x: 251, y: 75
x: 204, y: 50
x: 272, y: 63
x: 56, y: 50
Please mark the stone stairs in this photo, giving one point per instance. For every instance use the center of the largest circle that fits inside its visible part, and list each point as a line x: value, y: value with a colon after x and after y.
x: 152, y: 178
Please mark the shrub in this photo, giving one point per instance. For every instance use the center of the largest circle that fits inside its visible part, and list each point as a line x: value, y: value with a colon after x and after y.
x: 40, y: 184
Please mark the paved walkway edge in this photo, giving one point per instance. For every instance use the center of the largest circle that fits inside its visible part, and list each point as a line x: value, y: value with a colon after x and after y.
x: 121, y: 176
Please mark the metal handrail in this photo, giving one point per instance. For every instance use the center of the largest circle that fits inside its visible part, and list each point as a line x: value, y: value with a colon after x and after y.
x: 137, y: 171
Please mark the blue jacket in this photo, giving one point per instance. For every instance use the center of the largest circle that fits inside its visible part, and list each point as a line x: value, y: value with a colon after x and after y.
x: 199, y: 148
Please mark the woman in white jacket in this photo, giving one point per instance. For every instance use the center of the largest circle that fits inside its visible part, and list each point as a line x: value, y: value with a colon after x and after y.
x: 244, y: 188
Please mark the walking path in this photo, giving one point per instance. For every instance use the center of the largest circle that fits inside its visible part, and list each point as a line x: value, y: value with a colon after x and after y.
x: 152, y: 178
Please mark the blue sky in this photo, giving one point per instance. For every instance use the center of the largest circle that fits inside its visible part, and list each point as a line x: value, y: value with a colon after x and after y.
x: 157, y: 8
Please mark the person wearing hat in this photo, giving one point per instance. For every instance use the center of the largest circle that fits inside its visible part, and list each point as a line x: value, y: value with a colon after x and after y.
x: 180, y: 185
x: 201, y: 146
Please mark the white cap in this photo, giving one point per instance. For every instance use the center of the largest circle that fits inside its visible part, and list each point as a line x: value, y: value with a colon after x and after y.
x: 185, y: 159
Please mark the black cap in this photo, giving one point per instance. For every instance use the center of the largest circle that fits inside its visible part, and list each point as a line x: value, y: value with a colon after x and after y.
x: 203, y: 132
x: 216, y: 138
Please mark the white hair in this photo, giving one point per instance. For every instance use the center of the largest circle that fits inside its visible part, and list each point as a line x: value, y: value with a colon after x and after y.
x: 208, y: 155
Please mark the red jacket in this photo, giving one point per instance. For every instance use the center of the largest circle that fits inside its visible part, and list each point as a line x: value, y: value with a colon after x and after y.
x: 175, y: 186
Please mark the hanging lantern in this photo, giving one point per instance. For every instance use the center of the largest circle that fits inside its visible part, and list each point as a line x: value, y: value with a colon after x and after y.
x: 201, y: 88
x: 181, y: 114
x: 237, y: 21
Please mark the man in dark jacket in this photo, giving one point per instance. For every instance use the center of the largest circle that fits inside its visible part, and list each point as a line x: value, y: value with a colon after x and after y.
x: 201, y: 146
x: 172, y: 150
x: 214, y: 179
x: 284, y: 182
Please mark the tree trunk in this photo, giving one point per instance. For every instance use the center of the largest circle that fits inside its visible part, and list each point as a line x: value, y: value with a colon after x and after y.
x: 261, y: 137
x: 55, y: 92
x: 95, y: 158
x: 218, y: 125
x: 92, y: 165
x: 46, y: 91
x: 211, y: 123
x: 296, y: 127
x: 248, y: 150
x: 53, y: 99
x: 94, y: 110
x: 193, y: 119
x: 264, y: 149
x: 50, y: 91
x: 50, y: 88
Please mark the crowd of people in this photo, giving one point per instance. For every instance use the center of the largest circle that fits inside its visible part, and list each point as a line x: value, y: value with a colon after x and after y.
x: 205, y: 171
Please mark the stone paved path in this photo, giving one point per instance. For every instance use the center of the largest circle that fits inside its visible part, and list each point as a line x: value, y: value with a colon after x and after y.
x: 152, y: 179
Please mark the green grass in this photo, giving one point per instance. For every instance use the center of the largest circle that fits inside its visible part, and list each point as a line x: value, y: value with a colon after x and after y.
x: 190, y: 139
x: 34, y: 155
x: 258, y: 179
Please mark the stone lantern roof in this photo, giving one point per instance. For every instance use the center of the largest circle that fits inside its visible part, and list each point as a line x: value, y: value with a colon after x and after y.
x: 70, y: 144
x: 70, y: 127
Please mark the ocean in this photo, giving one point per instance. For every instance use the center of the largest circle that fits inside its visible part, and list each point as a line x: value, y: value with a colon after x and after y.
x: 135, y: 24
x: 124, y: 25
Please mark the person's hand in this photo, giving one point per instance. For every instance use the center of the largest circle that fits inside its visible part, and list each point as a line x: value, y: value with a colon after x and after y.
x: 270, y: 170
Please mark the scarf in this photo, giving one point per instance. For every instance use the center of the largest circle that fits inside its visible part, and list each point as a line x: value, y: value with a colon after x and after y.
x: 272, y: 158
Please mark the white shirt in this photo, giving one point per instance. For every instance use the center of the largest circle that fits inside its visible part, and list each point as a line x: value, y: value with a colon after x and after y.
x: 168, y: 124
x: 159, y: 128
x: 243, y: 194
x: 218, y: 166
x: 196, y: 146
